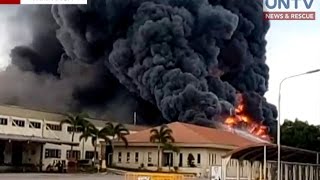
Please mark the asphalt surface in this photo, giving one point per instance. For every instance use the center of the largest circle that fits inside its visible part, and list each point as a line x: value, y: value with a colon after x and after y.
x: 26, y: 176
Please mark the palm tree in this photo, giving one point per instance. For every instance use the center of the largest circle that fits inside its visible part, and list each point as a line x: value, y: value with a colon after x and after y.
x: 95, y: 134
x: 161, y: 136
x: 77, y: 121
x: 171, y: 147
x: 118, y: 132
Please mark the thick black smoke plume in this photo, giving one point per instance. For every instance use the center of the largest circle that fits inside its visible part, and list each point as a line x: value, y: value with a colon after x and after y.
x: 184, y: 58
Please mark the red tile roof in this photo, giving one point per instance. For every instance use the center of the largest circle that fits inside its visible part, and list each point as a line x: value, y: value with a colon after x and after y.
x: 193, y: 134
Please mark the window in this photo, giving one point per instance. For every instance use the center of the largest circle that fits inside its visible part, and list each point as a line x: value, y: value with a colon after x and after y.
x: 199, y: 159
x: 76, y: 154
x: 128, y: 157
x: 70, y: 129
x: 90, y: 154
x: 136, y: 157
x: 149, y: 157
x: 119, y: 157
x: 3, y: 121
x: 54, y: 127
x: 53, y: 153
x: 191, y: 160
x: 180, y: 159
x: 213, y: 159
x: 19, y: 123
x: 36, y: 125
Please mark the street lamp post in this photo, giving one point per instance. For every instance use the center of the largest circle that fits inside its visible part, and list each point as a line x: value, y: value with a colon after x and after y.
x: 279, y: 117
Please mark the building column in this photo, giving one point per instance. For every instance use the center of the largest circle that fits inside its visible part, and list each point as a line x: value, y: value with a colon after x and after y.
x: 41, y: 157
x: 238, y: 170
x: 176, y: 159
x: 317, y: 168
x: 300, y: 172
x: 264, y: 162
x: 249, y: 170
x: 306, y: 169
x: 311, y: 172
x: 269, y: 171
x: 281, y: 170
x: 286, y: 170
x: 224, y: 167
x: 103, y: 154
x: 260, y: 171
x: 294, y: 172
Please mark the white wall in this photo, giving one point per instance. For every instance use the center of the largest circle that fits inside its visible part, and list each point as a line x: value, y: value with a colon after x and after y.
x: 143, y: 157
x: 16, y: 130
x: 44, y: 132
x: 209, y: 157
x: 201, y: 168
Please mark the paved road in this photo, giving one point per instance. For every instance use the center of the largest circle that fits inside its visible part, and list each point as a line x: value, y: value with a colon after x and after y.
x: 60, y: 177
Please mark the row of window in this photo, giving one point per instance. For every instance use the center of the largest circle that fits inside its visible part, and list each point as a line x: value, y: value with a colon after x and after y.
x: 150, y: 158
x: 212, y: 159
x: 136, y: 159
x: 36, y: 125
x: 56, y: 153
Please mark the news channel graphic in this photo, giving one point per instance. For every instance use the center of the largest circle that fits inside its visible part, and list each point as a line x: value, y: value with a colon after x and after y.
x: 290, y: 9
x: 43, y: 1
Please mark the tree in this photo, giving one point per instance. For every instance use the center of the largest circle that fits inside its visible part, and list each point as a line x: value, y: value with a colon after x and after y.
x: 300, y: 134
x: 161, y: 136
x: 95, y: 134
x: 77, y: 121
x: 118, y: 131
x: 171, y: 147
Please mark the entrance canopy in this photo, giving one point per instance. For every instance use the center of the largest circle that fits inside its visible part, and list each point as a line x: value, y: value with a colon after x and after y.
x: 37, y: 139
x: 288, y: 154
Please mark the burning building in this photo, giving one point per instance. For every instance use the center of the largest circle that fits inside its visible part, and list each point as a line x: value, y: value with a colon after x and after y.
x: 240, y: 118
x: 166, y: 59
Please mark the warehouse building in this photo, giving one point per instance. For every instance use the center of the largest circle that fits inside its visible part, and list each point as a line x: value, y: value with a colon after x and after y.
x: 31, y: 138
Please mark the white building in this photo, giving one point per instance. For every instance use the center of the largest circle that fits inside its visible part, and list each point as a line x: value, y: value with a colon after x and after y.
x: 31, y: 137
x: 206, y: 146
x: 216, y: 154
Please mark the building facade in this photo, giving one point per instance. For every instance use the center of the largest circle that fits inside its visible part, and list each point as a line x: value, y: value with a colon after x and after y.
x: 31, y: 137
x: 200, y: 152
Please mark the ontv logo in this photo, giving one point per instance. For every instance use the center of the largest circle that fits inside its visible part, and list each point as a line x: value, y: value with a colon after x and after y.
x: 288, y: 10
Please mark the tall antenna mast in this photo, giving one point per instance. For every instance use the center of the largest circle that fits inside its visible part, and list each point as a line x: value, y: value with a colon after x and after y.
x: 134, y: 118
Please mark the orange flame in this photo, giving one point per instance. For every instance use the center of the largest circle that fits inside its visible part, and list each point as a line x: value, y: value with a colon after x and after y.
x: 240, y: 119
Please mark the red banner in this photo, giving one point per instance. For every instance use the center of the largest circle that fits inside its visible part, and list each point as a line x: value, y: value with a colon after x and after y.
x: 9, y: 1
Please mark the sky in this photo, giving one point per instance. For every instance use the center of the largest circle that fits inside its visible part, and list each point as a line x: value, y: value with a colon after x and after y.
x: 293, y: 48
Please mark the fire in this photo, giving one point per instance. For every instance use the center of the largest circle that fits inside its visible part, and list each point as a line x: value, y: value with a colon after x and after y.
x: 241, y: 120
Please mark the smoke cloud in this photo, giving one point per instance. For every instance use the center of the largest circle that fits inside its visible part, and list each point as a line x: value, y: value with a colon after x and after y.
x: 168, y: 60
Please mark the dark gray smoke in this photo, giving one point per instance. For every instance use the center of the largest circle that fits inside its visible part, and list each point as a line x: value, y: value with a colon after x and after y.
x: 184, y: 58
